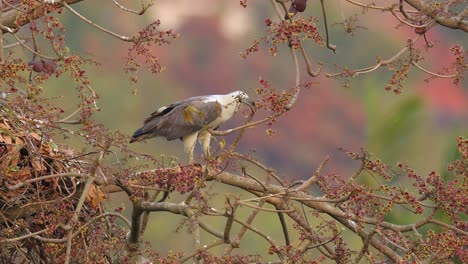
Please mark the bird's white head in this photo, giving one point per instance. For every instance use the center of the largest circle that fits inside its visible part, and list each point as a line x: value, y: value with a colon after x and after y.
x: 242, y: 97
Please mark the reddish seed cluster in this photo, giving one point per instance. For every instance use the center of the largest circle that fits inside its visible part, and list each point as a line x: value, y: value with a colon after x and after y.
x: 143, y: 47
x: 342, y: 252
x: 207, y: 257
x: 30, y: 9
x: 292, y: 254
x: 399, y: 76
x: 271, y: 99
x: 447, y: 193
x: 170, y: 258
x: 401, y: 68
x: 291, y: 33
x: 379, y: 168
x: 181, y: 178
x: 333, y: 185
x: 459, y: 64
x: 361, y: 203
x: 11, y: 72
x: 462, y: 144
x: 413, y: 201
x: 355, y: 155
x: 309, y: 85
x: 253, y: 48
x: 441, y: 246
x: 460, y: 167
x: 286, y: 31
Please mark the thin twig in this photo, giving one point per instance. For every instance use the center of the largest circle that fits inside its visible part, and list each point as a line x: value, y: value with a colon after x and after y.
x: 329, y: 45
x: 196, y: 236
x: 432, y: 73
x: 326, y: 241
x: 453, y: 228
x: 270, y: 171
x: 230, y: 219
x: 379, y: 63
x: 121, y: 37
x: 308, y: 64
x: 2, y: 52
x: 373, y: 6
x: 23, y: 44
x: 235, y: 242
x: 141, y: 12
x: 293, y: 100
x: 409, y: 24
x: 365, y: 245
x: 17, y: 43
x: 51, y: 176
x: 86, y: 189
x: 86, y: 84
x: 260, y: 233
x: 81, y: 228
x: 16, y: 239
x: 79, y: 206
x: 312, y: 180
x: 402, y: 10
x: 198, y: 251
x: 248, y: 125
x: 70, y: 115
x: 266, y: 209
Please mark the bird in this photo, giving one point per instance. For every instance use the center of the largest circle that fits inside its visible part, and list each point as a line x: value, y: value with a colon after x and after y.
x: 190, y: 119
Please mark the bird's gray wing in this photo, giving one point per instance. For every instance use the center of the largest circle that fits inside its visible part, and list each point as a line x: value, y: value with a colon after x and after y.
x: 180, y: 119
x: 166, y: 109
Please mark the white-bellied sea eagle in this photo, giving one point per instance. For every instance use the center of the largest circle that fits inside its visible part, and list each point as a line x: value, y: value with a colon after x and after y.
x: 189, y: 119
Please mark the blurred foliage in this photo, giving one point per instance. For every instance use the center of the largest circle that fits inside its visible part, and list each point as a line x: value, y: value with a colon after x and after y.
x: 393, y: 130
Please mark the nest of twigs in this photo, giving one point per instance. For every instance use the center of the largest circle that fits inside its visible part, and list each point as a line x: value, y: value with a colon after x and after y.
x: 39, y: 190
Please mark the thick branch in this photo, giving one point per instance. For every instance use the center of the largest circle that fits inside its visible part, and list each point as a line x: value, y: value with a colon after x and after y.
x: 9, y: 17
x: 455, y: 22
x: 330, y: 209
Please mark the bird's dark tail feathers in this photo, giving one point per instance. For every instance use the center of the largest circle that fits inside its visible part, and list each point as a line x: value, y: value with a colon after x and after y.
x: 136, y: 136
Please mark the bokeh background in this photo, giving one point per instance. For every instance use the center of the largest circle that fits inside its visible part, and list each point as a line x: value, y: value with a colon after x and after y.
x: 417, y: 127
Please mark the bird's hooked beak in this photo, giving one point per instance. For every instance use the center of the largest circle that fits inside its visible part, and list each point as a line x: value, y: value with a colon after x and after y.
x: 249, y: 102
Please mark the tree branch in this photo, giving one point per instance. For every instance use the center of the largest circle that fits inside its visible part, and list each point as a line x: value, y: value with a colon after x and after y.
x: 121, y: 37
x: 141, y: 12
x: 11, y: 240
x: 10, y: 18
x: 454, y: 22
x: 330, y: 209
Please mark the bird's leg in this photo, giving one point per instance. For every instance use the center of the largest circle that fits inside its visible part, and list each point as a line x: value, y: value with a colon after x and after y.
x: 190, y: 152
x: 191, y: 159
x: 205, y: 139
x: 189, y: 145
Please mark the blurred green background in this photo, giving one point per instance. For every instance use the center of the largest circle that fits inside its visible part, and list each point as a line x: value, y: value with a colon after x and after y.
x: 417, y: 127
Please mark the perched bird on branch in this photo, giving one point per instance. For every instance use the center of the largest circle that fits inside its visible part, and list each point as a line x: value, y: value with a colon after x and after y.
x: 191, y: 118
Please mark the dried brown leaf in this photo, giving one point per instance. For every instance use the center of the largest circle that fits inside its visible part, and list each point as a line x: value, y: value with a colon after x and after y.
x: 95, y: 196
x: 38, y: 164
